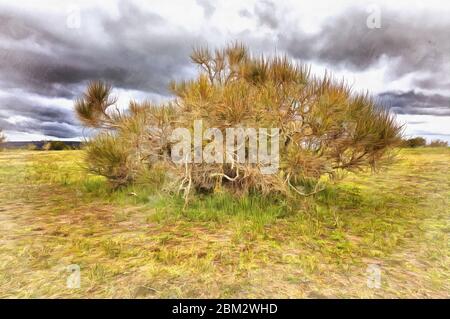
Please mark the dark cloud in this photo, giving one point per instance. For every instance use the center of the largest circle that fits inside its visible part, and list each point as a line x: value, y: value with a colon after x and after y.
x: 431, y: 82
x: 34, y: 117
x: 51, y: 129
x: 265, y: 13
x: 416, y: 103
x: 139, y: 50
x: 26, y: 107
x: 409, y: 44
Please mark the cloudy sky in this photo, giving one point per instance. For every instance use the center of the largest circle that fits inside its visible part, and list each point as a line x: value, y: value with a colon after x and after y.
x: 49, y: 50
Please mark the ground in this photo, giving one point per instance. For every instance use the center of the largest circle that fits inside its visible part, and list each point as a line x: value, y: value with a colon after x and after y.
x: 140, y: 243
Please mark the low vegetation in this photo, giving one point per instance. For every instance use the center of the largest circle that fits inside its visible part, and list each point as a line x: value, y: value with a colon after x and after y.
x: 438, y: 143
x: 114, y: 208
x: 55, y: 146
x: 138, y: 241
x: 325, y: 128
x: 414, y: 142
x: 422, y: 142
x: 43, y: 145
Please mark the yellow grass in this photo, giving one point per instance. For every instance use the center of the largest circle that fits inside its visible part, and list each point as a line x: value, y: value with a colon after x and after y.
x: 138, y: 242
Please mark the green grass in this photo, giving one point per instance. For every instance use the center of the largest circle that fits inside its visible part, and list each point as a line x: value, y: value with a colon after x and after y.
x: 140, y: 242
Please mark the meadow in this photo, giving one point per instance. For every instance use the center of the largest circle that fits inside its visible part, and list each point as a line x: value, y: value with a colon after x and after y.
x: 139, y: 242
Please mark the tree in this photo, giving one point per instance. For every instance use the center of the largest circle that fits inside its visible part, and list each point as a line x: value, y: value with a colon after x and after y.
x: 324, y: 126
x: 438, y: 143
x: 415, y: 142
x: 55, y: 146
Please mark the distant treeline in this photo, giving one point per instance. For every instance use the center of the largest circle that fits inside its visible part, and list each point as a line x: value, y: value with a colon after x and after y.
x: 421, y: 142
x: 43, y: 145
x: 75, y: 145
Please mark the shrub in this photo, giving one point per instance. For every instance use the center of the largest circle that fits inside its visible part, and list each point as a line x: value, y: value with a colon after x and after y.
x: 32, y: 147
x: 438, y: 143
x: 324, y: 126
x: 55, y: 146
x: 129, y: 142
x: 108, y: 155
x: 414, y: 142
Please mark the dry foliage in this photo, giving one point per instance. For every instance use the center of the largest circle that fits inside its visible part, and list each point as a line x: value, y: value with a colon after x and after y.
x: 324, y: 126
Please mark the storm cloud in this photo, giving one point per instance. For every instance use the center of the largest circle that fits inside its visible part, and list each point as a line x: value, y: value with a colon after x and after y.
x: 45, y: 62
x: 137, y: 50
x: 27, y: 115
x: 409, y: 44
x: 412, y: 102
x: 133, y: 51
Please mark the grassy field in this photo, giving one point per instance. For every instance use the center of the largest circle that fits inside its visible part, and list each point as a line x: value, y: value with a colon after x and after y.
x: 140, y: 243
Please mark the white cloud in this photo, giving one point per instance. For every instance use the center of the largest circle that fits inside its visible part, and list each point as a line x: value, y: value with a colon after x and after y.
x: 428, y: 126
